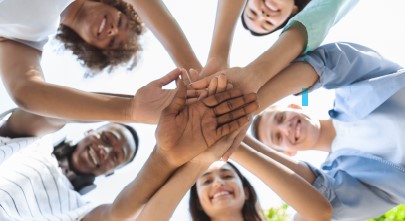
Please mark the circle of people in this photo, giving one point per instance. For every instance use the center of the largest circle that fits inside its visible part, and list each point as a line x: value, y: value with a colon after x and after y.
x: 205, y: 118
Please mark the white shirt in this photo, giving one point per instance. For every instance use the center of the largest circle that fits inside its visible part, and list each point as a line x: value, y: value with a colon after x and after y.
x: 33, y: 187
x: 381, y: 133
x: 30, y: 21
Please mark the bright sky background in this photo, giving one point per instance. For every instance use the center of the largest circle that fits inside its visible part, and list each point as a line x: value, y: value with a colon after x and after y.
x: 373, y: 23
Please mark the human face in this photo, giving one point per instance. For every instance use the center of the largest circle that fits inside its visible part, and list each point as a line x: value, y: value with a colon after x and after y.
x: 103, y: 150
x: 220, y: 190
x: 264, y: 16
x: 288, y: 130
x: 103, y: 26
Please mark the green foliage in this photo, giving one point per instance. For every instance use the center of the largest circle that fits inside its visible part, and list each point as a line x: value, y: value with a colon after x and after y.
x: 277, y: 213
x: 395, y: 214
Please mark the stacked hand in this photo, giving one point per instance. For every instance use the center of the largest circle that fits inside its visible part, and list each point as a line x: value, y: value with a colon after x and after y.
x: 186, y: 130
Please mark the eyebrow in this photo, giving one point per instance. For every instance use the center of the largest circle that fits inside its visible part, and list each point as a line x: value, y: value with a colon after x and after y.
x: 221, y: 171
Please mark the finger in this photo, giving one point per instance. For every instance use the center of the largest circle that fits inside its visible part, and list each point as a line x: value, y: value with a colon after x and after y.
x: 168, y: 78
x: 191, y: 100
x: 236, y: 143
x: 232, y: 126
x: 191, y: 93
x: 204, y: 94
x: 222, y: 83
x: 216, y: 99
x: 179, y: 99
x: 241, y: 112
x: 202, y: 83
x: 223, y: 144
x: 229, y: 86
x: 185, y: 76
x: 194, y: 75
x: 235, y: 103
x: 212, y: 88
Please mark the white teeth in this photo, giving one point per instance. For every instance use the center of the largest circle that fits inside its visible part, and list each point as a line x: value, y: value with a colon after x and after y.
x: 102, y: 25
x: 298, y: 130
x: 220, y: 194
x: 93, y: 156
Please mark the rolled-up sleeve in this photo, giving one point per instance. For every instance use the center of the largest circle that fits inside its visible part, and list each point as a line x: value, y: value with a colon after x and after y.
x: 350, y: 198
x: 318, y: 17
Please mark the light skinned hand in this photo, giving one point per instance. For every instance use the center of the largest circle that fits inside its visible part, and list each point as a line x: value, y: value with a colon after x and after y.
x: 185, y: 130
x: 150, y: 99
x: 213, y: 65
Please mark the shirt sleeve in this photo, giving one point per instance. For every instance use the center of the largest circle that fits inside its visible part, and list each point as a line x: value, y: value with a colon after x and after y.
x: 350, y: 198
x: 318, y: 17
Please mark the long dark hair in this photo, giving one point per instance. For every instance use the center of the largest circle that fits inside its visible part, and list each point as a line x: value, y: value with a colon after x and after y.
x: 249, y: 210
x: 300, y: 5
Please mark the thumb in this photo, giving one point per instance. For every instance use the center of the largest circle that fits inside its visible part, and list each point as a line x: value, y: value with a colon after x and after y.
x: 168, y: 78
x: 203, y: 83
x: 179, y: 100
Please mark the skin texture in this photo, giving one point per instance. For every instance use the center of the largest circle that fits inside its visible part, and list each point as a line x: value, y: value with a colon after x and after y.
x: 288, y: 130
x: 23, y: 78
x: 103, y: 150
x: 184, y: 131
x: 265, y: 16
x: 221, y: 178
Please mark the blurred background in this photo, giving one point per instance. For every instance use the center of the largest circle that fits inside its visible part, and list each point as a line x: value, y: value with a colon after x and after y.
x: 373, y: 23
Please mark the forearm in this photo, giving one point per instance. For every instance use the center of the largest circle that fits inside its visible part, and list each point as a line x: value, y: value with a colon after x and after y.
x: 228, y: 12
x: 159, y: 20
x: 289, y: 46
x: 171, y: 193
x: 67, y: 103
x: 152, y: 176
x: 288, y: 184
x: 290, y: 81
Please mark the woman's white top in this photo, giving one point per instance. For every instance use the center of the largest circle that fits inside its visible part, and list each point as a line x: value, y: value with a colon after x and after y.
x: 30, y: 21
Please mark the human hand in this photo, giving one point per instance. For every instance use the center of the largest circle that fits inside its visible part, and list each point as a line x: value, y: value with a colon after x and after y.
x: 151, y: 99
x: 213, y: 65
x: 236, y: 76
x: 184, y: 131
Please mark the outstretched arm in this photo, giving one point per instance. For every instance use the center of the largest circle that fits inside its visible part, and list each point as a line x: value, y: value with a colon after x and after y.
x: 159, y: 20
x: 228, y: 12
x: 183, y: 132
x: 290, y: 185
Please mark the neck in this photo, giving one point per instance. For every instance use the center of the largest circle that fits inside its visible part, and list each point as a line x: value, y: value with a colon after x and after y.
x: 72, y: 13
x: 326, y: 136
x: 227, y: 216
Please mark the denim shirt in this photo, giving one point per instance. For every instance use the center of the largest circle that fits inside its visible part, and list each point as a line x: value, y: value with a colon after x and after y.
x: 358, y: 185
x: 361, y: 77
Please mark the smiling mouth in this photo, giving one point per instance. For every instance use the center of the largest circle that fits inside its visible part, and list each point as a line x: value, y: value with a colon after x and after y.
x: 93, y: 157
x: 221, y: 193
x: 102, y: 26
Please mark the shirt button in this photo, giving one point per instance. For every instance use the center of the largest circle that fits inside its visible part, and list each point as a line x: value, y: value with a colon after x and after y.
x: 332, y: 113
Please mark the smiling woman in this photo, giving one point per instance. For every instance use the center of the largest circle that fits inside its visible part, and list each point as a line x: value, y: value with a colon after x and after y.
x: 101, y: 33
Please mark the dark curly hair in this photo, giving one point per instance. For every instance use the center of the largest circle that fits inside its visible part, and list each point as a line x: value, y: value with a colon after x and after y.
x: 249, y: 211
x: 98, y: 59
x: 300, y: 5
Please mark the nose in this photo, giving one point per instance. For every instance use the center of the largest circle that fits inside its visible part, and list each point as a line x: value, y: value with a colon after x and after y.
x: 218, y: 182
x: 104, y: 151
x: 285, y: 127
x: 112, y: 31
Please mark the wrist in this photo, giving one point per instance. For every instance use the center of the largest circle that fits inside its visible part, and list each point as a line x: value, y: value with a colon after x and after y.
x: 164, y: 159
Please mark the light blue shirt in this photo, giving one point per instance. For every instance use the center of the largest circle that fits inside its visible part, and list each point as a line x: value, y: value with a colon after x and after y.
x: 361, y: 77
x: 359, y: 185
x: 318, y: 17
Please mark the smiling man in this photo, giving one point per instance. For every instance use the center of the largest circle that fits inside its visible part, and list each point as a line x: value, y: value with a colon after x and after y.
x: 43, y: 181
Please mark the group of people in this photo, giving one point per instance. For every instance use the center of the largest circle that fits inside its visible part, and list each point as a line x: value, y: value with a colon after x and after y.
x: 205, y: 118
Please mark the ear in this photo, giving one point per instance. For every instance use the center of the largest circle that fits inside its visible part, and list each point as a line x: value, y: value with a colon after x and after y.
x: 294, y: 10
x: 295, y: 106
x: 109, y: 173
x: 290, y: 153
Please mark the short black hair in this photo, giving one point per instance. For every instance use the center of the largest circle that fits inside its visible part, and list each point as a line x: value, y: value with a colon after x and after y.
x: 254, y: 127
x: 136, y: 139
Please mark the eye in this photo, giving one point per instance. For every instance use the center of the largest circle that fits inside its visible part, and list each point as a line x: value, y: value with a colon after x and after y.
x: 278, y: 138
x: 253, y: 12
x: 269, y: 23
x: 280, y: 118
x: 207, y: 181
x: 227, y: 177
x: 105, y: 138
